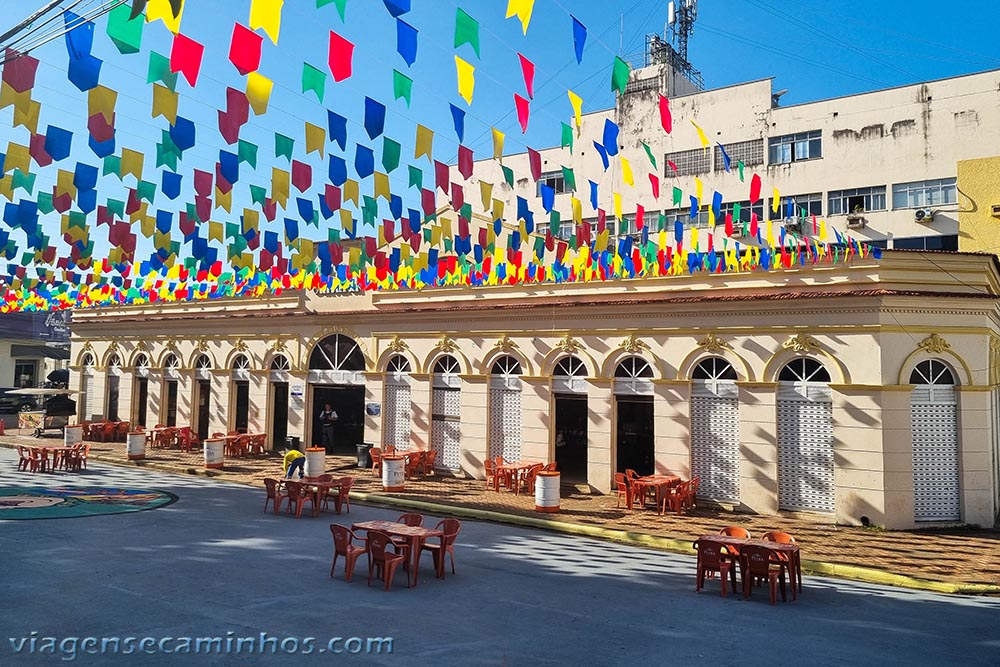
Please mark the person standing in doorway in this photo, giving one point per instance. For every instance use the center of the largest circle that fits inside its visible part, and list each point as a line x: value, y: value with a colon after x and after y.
x: 327, y: 418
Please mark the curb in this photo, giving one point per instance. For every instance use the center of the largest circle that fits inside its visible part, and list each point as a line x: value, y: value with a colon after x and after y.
x: 820, y: 568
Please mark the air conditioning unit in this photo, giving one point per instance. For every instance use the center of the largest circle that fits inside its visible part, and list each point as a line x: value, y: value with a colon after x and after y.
x: 996, y: 210
x: 793, y: 225
x: 737, y: 231
x: 923, y: 215
x: 856, y: 221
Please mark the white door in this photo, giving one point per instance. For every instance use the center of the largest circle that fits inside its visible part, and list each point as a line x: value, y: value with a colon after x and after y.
x: 805, y: 438
x: 397, y: 415
x: 715, y: 430
x: 505, y: 409
x: 934, y: 422
x: 446, y: 413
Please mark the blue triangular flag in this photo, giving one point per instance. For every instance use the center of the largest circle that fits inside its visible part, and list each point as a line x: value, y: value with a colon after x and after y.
x: 374, y: 117
x: 337, y: 125
x: 603, y: 153
x: 364, y: 161
x: 406, y: 41
x: 458, y: 115
x: 610, y: 137
x: 579, y: 38
x: 593, y: 194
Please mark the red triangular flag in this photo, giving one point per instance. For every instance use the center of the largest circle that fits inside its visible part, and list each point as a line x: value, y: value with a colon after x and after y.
x: 535, y: 162
x: 654, y: 184
x: 755, y: 189
x: 528, y: 70
x: 185, y: 57
x: 666, y: 120
x: 465, y: 162
x: 522, y: 112
x: 244, y: 49
x: 341, y: 54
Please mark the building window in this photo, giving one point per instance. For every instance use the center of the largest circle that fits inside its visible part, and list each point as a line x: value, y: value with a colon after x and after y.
x: 684, y: 216
x: 803, y: 206
x: 24, y: 373
x: 795, y: 147
x: 925, y: 193
x: 750, y: 153
x: 566, y: 230
x: 553, y: 179
x: 842, y: 202
x: 927, y: 243
x: 745, y: 210
x: 696, y: 161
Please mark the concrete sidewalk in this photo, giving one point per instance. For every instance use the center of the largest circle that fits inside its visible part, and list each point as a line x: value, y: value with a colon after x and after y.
x: 944, y: 560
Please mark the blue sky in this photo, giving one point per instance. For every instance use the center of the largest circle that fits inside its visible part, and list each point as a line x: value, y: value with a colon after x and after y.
x: 815, y: 50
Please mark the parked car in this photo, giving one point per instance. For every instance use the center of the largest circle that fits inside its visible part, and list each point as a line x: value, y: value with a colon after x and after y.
x: 11, y: 404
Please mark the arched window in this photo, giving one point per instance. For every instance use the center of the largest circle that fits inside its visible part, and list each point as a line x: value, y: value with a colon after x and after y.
x: 398, y: 364
x: 932, y: 372
x: 87, y: 361
x: 633, y: 368
x: 114, y: 361
x: 171, y: 362
x: 241, y: 363
x: 337, y: 353
x: 570, y: 367
x: 506, y: 365
x: 805, y: 438
x: 280, y: 363
x: 714, y: 368
x: 446, y: 411
x: 937, y: 481
x: 203, y: 363
x: 804, y: 369
x: 568, y: 376
x: 715, y: 429
x: 447, y: 365
x: 141, y: 362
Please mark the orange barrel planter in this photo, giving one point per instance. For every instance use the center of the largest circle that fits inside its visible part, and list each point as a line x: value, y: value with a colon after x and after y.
x: 135, y: 444
x: 315, y: 461
x: 215, y: 449
x: 393, y: 473
x: 547, y: 491
x: 72, y: 434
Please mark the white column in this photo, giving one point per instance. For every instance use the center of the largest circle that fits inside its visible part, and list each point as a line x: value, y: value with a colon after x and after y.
x: 474, y: 424
x: 420, y: 409
x: 374, y: 394
x: 671, y: 427
x: 537, y: 417
x: 759, y: 450
x: 600, y: 453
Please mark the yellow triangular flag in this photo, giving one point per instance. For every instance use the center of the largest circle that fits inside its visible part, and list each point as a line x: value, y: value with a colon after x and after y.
x: 351, y: 191
x: 102, y: 100
x: 280, y: 183
x: 466, y: 79
x: 131, y: 164
x: 486, y: 192
x: 577, y: 210
x: 9, y: 96
x: 216, y: 231
x: 165, y: 103
x: 522, y: 10
x: 28, y: 118
x: 160, y: 9
x: 617, y: 198
x: 577, y: 103
x: 698, y: 190
x: 18, y: 157
x: 224, y: 200
x: 315, y: 139
x: 425, y: 143
x: 382, y: 186
x: 497, y: 213
x: 627, y: 172
x: 498, y: 138
x: 259, y: 92
x: 705, y: 143
x: 775, y: 201
x: 266, y: 14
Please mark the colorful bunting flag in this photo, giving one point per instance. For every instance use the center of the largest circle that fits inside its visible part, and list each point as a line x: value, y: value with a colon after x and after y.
x: 466, y: 30
x: 466, y: 79
x: 340, y: 57
x: 579, y: 38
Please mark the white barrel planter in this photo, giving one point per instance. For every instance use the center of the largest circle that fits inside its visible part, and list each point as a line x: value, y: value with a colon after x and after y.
x: 547, y: 491
x: 72, y: 435
x: 315, y: 461
x: 215, y: 449
x: 393, y: 473
x: 135, y: 444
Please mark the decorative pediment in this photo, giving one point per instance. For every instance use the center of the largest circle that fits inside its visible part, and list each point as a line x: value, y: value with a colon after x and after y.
x: 240, y: 345
x: 87, y: 347
x: 279, y: 345
x: 506, y: 344
x: 633, y: 345
x: 713, y: 343
x: 141, y: 346
x: 934, y: 344
x: 446, y: 344
x: 171, y: 344
x: 802, y: 343
x: 202, y: 345
x: 397, y: 344
x: 569, y: 345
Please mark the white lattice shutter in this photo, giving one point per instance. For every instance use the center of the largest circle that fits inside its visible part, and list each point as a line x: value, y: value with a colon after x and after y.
x: 805, y: 447
x: 505, y: 423
x: 715, y: 439
x: 446, y: 406
x: 88, y: 395
x: 397, y: 417
x: 934, y: 422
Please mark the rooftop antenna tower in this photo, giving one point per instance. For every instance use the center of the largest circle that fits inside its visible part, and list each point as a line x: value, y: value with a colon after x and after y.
x: 681, y: 16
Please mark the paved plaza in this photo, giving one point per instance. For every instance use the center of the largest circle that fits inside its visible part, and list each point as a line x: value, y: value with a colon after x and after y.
x: 212, y: 563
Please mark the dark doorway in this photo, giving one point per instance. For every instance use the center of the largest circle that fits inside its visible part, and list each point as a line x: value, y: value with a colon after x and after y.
x: 571, y: 436
x: 242, y: 405
x: 279, y: 414
x: 171, y: 415
x: 349, y: 404
x: 635, y: 434
x: 113, y: 384
x: 141, y: 400
x: 204, y: 403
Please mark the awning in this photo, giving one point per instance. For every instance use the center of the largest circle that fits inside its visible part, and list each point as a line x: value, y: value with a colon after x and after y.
x: 38, y: 351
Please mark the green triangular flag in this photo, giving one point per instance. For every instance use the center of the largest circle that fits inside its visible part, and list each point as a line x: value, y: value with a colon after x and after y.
x: 232, y: 230
x: 567, y: 137
x: 554, y: 220
x: 313, y: 79
x: 78, y: 219
x: 466, y: 211
x: 402, y: 86
x: 145, y: 190
x: 649, y: 154
x: 126, y: 33
x: 166, y: 156
x: 369, y: 209
x: 192, y: 212
x: 247, y: 152
x: 508, y: 175
x: 283, y: 146
x: 619, y: 76
x: 466, y: 30
x: 112, y: 165
x: 416, y: 177
x: 159, y: 70
x: 341, y: 6
x: 22, y: 180
x: 678, y: 195
x: 116, y: 207
x: 739, y: 165
x: 569, y: 178
x: 45, y: 202
x: 258, y: 195
x: 390, y: 154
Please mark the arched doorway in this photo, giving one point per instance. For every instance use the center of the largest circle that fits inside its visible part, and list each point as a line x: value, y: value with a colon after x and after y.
x: 397, y: 414
x: 505, y: 409
x: 634, y: 416
x: 805, y: 437
x: 278, y: 379
x: 241, y: 393
x: 203, y: 397
x: 86, y: 398
x: 171, y: 377
x: 934, y: 425
x: 336, y: 373
x: 446, y: 412
x: 715, y: 430
x: 569, y: 389
x: 140, y: 395
x: 114, y: 378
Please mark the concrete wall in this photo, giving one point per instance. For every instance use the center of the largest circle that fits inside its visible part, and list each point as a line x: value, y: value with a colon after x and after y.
x: 979, y: 183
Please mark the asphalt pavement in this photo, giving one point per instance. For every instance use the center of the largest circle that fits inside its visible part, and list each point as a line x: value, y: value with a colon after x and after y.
x: 213, y: 565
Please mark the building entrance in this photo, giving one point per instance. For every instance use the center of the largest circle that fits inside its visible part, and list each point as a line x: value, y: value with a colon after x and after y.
x: 571, y: 437
x: 349, y: 404
x: 635, y: 434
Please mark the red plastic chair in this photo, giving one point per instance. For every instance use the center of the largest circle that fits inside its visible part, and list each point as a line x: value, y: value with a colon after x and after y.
x: 39, y: 459
x: 382, y: 561
x: 491, y: 473
x: 451, y: 528
x: 73, y: 459
x: 759, y: 565
x: 693, y: 492
x: 24, y: 459
x: 413, y: 463
x: 624, y: 493
x: 677, y: 498
x: 376, y: 455
x: 736, y: 531
x: 343, y: 495
x: 343, y: 545
x: 713, y: 558
x: 274, y: 495
x: 84, y: 455
x: 551, y: 467
x: 297, y: 496
x: 411, y: 519
x: 529, y: 477
x: 794, y: 562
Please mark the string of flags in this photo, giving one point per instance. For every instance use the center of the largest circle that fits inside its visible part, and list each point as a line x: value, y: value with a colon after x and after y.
x: 204, y: 249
